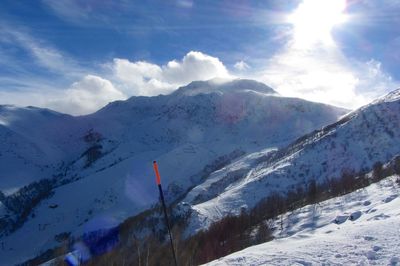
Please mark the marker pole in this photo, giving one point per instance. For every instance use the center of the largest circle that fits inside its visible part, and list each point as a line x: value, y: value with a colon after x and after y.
x: 158, y: 181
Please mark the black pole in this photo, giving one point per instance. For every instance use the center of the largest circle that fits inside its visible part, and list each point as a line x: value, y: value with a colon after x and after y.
x: 165, y: 210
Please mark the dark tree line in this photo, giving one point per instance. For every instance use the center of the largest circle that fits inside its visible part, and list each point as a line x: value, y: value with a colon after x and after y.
x: 24, y: 201
x: 94, y: 150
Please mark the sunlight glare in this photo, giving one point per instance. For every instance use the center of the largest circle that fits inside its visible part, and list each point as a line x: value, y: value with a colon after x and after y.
x: 314, y: 20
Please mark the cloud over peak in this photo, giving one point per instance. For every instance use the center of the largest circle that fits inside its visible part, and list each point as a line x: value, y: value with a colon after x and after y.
x: 241, y: 66
x: 121, y: 79
x: 144, y: 78
x: 194, y: 66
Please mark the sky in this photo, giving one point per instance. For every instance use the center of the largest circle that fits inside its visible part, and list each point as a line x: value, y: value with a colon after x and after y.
x: 75, y: 56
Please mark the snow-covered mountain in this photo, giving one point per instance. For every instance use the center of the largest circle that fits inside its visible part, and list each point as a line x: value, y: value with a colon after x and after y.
x: 33, y: 142
x: 97, y: 168
x: 360, y: 139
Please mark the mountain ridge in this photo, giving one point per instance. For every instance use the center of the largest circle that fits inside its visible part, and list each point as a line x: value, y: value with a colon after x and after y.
x: 360, y: 149
x: 109, y: 153
x: 223, y: 86
x: 355, y: 143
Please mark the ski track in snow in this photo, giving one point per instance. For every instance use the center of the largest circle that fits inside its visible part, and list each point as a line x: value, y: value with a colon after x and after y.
x: 366, y: 232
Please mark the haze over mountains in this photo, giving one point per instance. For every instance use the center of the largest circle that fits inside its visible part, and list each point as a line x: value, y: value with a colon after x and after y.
x: 221, y: 145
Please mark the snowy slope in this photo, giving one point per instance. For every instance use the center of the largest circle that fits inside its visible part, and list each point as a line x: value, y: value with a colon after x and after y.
x: 34, y: 142
x: 355, y: 143
x: 360, y: 228
x: 187, y: 132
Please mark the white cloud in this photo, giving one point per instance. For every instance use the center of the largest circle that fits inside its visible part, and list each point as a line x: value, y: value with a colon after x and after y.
x: 313, y: 74
x: 144, y: 78
x: 125, y: 79
x: 82, y: 97
x: 43, y: 54
x: 70, y: 10
x: 241, y: 66
x: 373, y: 80
x: 324, y: 74
x: 185, y: 3
x: 194, y: 66
x: 25, y: 87
x: 86, y: 96
x: 138, y: 78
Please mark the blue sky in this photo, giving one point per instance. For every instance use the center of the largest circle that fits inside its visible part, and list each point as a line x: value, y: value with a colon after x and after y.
x: 75, y: 56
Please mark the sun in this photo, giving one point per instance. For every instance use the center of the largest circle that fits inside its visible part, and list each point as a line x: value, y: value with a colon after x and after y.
x: 314, y: 20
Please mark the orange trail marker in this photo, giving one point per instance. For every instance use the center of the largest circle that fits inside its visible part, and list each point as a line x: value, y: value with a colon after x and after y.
x: 158, y: 180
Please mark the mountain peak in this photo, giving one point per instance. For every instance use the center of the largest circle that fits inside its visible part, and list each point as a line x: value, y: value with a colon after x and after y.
x: 219, y: 85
